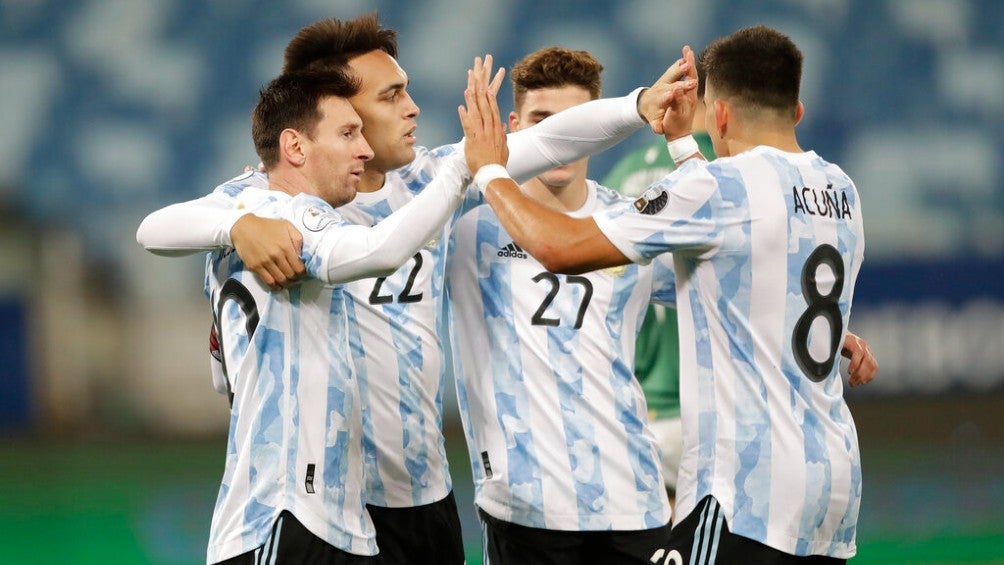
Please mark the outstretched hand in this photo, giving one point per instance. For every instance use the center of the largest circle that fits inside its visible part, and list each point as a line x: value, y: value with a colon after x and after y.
x: 669, y: 104
x: 480, y: 75
x: 485, y: 140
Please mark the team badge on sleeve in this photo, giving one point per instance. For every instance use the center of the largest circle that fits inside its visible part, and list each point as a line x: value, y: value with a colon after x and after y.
x: 316, y: 219
x: 650, y: 204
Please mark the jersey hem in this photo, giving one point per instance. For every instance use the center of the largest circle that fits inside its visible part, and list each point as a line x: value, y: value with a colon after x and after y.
x: 787, y: 544
x: 571, y: 522
x: 365, y: 546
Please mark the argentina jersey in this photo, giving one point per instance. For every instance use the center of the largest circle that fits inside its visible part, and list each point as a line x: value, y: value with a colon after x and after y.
x: 393, y: 332
x: 295, y: 429
x: 556, y: 423
x: 767, y: 246
x: 398, y: 353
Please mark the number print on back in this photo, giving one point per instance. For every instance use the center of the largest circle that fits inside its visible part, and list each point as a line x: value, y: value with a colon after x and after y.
x: 826, y: 306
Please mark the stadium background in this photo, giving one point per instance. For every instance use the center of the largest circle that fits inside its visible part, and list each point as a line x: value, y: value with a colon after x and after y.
x: 111, y: 439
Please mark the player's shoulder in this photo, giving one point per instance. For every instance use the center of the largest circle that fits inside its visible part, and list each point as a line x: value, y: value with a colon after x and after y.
x: 236, y: 185
x: 261, y: 201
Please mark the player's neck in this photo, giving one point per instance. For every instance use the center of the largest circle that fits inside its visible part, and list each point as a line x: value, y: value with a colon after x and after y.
x: 784, y: 140
x: 568, y: 198
x: 372, y: 180
x: 288, y: 182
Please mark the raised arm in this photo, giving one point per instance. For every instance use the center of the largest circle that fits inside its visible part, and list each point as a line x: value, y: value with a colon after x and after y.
x: 592, y: 127
x: 561, y: 243
x: 348, y: 252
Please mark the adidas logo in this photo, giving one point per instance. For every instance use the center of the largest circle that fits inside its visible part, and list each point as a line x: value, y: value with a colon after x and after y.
x: 512, y: 250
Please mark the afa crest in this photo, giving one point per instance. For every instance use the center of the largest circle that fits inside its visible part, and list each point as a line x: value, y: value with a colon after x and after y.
x: 651, y: 204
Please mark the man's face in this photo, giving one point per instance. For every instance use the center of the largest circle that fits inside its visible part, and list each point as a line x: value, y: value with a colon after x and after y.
x: 336, y: 152
x: 541, y: 103
x: 387, y: 111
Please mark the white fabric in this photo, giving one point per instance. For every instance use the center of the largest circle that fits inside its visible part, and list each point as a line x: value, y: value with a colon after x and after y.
x: 778, y: 450
x: 295, y: 440
x: 556, y: 424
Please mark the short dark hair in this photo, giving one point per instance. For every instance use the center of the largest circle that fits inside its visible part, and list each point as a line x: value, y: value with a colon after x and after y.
x: 553, y: 67
x: 293, y: 101
x: 331, y: 43
x: 757, y: 67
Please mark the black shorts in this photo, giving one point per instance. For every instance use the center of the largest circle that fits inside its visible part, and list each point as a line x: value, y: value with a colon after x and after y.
x: 706, y: 533
x: 506, y: 543
x: 420, y: 534
x: 293, y: 544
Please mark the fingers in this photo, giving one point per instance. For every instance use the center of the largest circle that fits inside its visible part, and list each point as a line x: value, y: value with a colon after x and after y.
x: 690, y: 63
x: 863, y: 366
x: 496, y: 83
x: 296, y: 263
x: 486, y: 69
x: 492, y: 107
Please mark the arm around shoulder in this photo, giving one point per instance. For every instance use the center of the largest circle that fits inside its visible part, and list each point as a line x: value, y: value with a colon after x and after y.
x: 189, y: 227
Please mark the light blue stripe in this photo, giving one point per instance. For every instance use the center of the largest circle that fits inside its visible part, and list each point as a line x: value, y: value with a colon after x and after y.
x: 580, y: 436
x: 340, y: 402
x: 275, y: 541
x: 294, y: 386
x: 510, y: 391
x: 716, y: 536
x: 697, y: 548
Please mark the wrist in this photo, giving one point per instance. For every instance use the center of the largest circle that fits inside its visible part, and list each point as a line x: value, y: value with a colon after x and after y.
x: 229, y: 224
x: 488, y: 173
x: 639, y: 104
x: 682, y: 147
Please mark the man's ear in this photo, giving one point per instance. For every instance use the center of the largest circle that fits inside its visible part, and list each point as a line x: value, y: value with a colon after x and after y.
x: 723, y: 113
x: 799, y: 112
x: 291, y: 147
x: 513, y: 121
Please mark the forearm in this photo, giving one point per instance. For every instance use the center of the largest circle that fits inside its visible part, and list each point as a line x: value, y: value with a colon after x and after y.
x: 380, y: 250
x: 188, y: 227
x: 570, y: 135
x: 561, y: 243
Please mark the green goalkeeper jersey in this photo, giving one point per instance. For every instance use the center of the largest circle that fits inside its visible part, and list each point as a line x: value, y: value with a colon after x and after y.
x: 657, y: 353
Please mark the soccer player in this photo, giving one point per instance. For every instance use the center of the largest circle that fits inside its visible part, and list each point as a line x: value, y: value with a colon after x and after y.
x: 657, y: 350
x: 396, y: 344
x: 292, y: 488
x: 565, y: 468
x: 767, y: 242
x: 555, y: 425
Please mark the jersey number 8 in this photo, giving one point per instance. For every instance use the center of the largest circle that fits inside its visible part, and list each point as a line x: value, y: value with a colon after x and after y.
x: 822, y: 305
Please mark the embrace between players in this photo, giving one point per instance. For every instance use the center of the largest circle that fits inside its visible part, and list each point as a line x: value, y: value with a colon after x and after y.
x: 341, y: 280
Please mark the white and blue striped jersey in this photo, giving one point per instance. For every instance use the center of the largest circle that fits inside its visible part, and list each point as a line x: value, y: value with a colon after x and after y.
x: 295, y: 440
x: 397, y: 350
x: 556, y: 424
x: 395, y: 345
x: 767, y: 246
